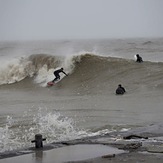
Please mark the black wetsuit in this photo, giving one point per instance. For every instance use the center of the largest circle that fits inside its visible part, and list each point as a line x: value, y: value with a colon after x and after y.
x: 139, y: 59
x: 56, y: 74
x: 120, y: 90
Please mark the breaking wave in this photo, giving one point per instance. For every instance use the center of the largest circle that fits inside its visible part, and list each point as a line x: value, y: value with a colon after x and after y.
x: 85, y: 70
x: 52, y: 125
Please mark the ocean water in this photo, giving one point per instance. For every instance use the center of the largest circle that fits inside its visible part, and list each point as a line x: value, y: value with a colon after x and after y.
x: 84, y: 103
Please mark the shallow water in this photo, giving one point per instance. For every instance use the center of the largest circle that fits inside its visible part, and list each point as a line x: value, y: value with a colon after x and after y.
x: 65, y: 154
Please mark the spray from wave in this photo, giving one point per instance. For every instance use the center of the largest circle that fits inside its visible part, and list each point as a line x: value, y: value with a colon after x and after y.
x: 39, y: 66
x: 52, y: 125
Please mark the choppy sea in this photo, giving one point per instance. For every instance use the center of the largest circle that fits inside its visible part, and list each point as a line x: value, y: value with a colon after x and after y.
x: 84, y: 103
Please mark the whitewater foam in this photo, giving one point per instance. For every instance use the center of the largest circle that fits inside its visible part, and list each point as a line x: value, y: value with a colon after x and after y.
x: 53, y: 126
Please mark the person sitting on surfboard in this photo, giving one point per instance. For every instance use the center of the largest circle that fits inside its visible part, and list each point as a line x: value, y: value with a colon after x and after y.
x: 120, y: 90
x: 139, y: 59
x: 56, y: 74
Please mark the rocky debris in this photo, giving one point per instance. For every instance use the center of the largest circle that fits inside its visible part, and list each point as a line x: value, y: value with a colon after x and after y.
x: 135, y: 137
x: 132, y: 146
x: 108, y: 156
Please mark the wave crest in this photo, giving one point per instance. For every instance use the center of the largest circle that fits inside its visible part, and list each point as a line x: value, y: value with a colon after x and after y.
x: 86, y: 71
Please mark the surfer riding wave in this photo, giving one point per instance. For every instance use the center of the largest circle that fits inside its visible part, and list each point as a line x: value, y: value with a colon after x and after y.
x: 56, y: 74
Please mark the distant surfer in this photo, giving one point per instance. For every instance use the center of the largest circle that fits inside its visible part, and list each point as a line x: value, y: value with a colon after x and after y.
x: 56, y: 74
x: 138, y: 58
x: 120, y: 90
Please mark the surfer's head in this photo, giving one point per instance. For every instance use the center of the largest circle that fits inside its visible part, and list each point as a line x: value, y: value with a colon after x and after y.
x: 62, y: 68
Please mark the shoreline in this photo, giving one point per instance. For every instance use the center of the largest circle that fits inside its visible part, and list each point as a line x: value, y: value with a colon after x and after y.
x: 139, y: 145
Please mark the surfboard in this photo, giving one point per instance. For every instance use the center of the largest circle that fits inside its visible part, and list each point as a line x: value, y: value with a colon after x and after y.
x: 135, y: 57
x: 50, y: 83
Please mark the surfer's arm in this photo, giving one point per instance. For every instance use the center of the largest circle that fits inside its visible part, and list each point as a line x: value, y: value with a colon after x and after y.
x: 65, y: 73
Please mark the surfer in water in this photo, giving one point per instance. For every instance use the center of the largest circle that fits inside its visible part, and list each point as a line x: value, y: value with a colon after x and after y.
x: 120, y: 90
x: 56, y: 74
x: 138, y: 58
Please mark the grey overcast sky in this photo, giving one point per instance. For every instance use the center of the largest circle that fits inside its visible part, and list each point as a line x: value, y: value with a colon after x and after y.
x: 66, y: 19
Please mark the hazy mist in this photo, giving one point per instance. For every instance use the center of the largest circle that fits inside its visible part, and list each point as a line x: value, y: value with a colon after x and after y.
x: 69, y: 19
